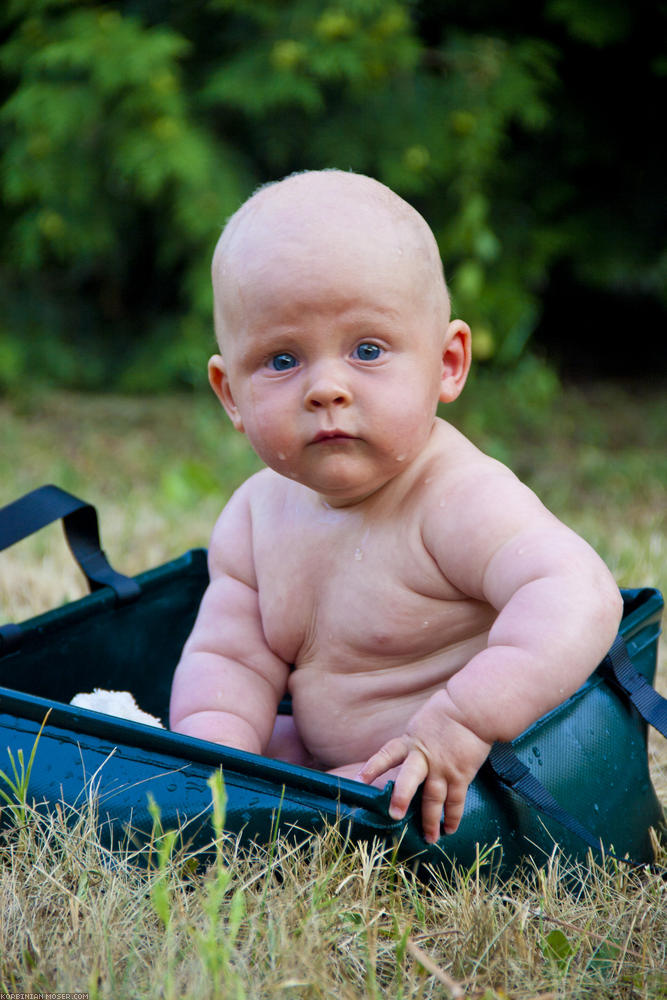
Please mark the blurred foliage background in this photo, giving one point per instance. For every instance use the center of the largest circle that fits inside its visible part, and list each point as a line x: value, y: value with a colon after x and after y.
x: 527, y: 135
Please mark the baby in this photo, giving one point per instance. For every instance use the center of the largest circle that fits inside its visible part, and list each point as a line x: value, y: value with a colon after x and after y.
x: 415, y: 599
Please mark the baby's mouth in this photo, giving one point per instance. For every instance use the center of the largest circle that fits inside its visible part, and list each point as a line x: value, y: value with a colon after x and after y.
x: 332, y: 436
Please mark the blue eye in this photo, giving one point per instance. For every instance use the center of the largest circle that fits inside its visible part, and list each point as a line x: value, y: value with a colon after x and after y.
x: 283, y: 362
x: 367, y: 352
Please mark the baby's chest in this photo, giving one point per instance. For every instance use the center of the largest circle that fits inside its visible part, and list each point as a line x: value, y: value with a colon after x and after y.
x: 362, y: 594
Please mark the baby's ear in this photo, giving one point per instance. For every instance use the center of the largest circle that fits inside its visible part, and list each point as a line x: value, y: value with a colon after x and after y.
x: 455, y: 361
x: 219, y: 381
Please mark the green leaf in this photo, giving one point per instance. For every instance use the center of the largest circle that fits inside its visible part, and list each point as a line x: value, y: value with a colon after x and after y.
x: 557, y: 947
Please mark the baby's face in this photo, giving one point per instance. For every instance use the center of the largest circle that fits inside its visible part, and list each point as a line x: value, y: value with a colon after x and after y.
x: 332, y: 359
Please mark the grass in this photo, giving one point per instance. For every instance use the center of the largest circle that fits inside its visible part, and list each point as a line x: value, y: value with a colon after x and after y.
x: 336, y: 919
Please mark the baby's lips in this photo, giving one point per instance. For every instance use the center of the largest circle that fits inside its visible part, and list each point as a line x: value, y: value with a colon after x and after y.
x: 332, y: 435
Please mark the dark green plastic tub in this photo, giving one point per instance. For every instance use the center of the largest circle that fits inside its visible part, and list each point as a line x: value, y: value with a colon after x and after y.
x: 590, y: 753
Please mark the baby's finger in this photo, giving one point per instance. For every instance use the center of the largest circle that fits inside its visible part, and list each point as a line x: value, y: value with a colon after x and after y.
x: 408, y: 780
x: 433, y: 800
x: 455, y: 801
x: 392, y: 753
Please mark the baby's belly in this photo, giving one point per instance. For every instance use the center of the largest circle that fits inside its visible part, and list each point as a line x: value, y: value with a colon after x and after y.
x: 345, y: 716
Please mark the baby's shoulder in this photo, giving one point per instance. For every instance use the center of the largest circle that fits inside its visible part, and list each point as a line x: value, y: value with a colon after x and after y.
x: 258, y: 486
x: 262, y: 487
x: 455, y: 461
x: 231, y: 542
x: 258, y: 501
x: 474, y: 508
x: 472, y: 488
x: 267, y: 493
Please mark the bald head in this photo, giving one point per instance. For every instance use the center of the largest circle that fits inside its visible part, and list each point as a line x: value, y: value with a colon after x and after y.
x: 308, y: 218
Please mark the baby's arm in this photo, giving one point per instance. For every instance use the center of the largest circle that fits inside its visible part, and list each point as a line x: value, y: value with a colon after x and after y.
x: 228, y: 682
x: 559, y: 610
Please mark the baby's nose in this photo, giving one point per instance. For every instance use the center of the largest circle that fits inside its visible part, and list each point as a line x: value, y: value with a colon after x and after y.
x: 327, y: 390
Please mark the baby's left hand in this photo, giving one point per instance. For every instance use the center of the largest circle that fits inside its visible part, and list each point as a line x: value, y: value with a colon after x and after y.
x: 435, y: 749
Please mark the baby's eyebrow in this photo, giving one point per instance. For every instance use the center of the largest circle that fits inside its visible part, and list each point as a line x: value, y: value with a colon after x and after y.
x: 252, y: 354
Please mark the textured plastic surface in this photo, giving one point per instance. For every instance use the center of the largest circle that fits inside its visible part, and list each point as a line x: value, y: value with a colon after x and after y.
x: 590, y: 752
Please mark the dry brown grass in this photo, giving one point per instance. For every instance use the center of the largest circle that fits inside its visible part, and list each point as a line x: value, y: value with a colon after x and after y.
x: 332, y: 919
x: 327, y: 919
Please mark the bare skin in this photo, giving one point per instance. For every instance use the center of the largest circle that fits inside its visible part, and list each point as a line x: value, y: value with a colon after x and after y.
x: 416, y: 600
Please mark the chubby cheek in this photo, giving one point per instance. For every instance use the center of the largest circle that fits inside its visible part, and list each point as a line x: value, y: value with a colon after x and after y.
x: 271, y: 440
x: 408, y: 428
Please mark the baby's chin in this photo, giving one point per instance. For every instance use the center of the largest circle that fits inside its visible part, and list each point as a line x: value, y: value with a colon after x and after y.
x: 344, y: 477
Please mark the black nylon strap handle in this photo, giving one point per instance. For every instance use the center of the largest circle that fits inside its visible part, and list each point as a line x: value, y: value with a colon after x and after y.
x: 514, y: 774
x: 649, y: 703
x: 33, y: 511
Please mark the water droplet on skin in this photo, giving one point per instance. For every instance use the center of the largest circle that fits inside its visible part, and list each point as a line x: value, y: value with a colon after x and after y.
x: 358, y: 554
x: 428, y: 480
x: 443, y: 503
x: 425, y: 624
x: 281, y: 456
x: 400, y: 458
